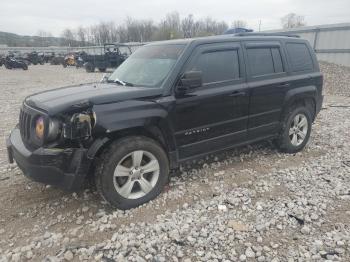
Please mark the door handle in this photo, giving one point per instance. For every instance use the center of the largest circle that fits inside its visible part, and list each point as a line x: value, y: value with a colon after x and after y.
x: 284, y: 85
x: 237, y: 93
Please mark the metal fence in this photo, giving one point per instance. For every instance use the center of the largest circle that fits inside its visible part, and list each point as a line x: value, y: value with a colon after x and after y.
x: 330, y: 42
x: 62, y: 49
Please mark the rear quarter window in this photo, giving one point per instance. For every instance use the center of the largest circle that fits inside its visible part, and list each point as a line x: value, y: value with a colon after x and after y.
x: 299, y: 57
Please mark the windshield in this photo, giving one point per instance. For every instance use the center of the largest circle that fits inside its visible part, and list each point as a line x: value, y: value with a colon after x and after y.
x: 148, y: 66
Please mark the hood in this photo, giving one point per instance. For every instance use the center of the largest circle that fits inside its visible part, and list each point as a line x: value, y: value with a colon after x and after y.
x: 67, y: 98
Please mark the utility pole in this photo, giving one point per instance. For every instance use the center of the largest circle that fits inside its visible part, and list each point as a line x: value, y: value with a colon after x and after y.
x: 259, y: 25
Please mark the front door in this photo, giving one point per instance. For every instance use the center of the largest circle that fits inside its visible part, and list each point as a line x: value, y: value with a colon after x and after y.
x: 215, y: 115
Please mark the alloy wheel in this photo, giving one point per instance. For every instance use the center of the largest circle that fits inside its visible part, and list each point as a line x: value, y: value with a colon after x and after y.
x: 136, y: 174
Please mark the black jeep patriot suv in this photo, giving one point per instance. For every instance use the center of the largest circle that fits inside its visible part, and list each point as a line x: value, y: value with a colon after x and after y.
x: 169, y: 102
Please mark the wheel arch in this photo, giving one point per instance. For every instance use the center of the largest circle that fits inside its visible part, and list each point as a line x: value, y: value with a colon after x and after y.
x: 305, y: 96
x: 154, y: 128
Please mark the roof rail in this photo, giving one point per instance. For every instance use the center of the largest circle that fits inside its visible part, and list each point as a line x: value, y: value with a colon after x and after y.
x: 266, y: 34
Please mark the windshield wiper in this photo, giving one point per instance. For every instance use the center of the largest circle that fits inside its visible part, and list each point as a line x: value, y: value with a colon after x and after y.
x: 120, y: 82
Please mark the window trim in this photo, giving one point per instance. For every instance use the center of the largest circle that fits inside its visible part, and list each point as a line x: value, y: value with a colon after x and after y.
x: 290, y: 60
x: 209, y: 51
x: 213, y: 47
x: 265, y: 45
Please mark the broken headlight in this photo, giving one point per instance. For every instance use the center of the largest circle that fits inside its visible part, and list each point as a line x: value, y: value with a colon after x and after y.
x: 79, y: 126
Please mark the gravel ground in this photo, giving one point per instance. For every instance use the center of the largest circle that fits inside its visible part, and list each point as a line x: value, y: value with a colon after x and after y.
x: 248, y: 204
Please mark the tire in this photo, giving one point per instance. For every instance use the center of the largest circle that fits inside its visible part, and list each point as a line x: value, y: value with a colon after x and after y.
x: 24, y: 67
x: 64, y: 65
x: 102, y: 70
x: 89, y: 67
x: 295, y: 132
x: 123, y: 154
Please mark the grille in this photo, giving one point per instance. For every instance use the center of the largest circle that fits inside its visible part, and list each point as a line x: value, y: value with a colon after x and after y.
x: 25, y: 124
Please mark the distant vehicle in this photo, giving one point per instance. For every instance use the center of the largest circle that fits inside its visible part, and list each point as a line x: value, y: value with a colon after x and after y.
x: 170, y: 102
x: 35, y: 58
x: 69, y: 60
x: 57, y: 60
x: 237, y: 30
x: 47, y: 56
x: 10, y: 62
x: 111, y: 57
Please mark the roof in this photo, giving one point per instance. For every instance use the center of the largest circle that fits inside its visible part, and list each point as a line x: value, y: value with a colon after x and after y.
x: 218, y: 38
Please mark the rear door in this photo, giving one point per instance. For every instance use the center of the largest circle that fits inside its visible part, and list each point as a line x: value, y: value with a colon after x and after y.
x: 215, y: 115
x: 268, y: 83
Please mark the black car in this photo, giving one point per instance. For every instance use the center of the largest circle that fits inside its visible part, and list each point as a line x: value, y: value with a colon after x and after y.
x: 169, y: 102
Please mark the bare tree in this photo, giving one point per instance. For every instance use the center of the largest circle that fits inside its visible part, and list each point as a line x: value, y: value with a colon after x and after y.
x: 189, y: 27
x: 133, y: 30
x: 292, y: 20
x: 239, y: 23
x: 82, y: 35
x: 68, y: 37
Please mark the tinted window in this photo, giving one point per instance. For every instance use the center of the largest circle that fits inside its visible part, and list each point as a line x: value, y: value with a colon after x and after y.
x: 218, y: 66
x: 277, y: 60
x: 299, y: 56
x: 264, y: 61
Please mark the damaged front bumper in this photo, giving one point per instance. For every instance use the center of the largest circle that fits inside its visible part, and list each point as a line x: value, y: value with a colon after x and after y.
x: 64, y: 168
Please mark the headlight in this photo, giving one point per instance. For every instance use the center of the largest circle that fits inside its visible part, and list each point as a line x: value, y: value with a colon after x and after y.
x: 79, y: 126
x: 54, y: 129
x: 40, y: 127
x: 49, y: 132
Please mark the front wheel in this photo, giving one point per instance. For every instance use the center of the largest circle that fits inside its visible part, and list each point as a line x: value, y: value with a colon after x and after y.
x: 132, y: 172
x: 296, y: 130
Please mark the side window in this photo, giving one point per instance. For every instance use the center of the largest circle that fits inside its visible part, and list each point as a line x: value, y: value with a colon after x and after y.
x: 299, y: 57
x: 218, y: 66
x: 265, y: 61
x: 277, y: 60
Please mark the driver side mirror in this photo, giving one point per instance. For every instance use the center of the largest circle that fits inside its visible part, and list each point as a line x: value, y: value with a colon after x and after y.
x: 190, y: 80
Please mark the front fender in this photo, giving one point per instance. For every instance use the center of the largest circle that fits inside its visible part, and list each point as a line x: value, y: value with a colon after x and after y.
x: 119, y: 116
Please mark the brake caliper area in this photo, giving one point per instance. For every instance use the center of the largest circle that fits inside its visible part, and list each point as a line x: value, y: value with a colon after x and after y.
x: 79, y: 126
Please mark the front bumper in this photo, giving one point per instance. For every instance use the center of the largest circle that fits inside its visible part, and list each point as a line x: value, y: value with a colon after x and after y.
x: 64, y: 168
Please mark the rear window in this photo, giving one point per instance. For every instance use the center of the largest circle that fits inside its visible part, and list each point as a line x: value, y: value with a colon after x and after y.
x: 299, y: 57
x: 218, y: 66
x: 264, y: 61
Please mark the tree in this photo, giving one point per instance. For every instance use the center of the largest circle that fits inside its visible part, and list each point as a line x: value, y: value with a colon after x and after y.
x: 68, y: 37
x: 239, y: 23
x: 82, y: 35
x: 292, y: 20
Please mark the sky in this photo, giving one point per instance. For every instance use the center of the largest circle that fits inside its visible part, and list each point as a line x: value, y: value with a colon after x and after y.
x: 27, y: 17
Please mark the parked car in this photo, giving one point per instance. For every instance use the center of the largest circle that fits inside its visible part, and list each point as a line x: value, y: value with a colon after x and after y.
x: 111, y: 57
x: 10, y: 62
x: 168, y: 103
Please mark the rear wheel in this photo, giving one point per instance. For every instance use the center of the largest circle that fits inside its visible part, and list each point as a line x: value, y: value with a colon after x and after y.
x: 24, y: 66
x: 102, y: 69
x: 296, y: 130
x: 132, y: 172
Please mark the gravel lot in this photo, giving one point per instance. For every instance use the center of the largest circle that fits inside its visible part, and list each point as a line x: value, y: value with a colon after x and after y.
x: 249, y: 204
